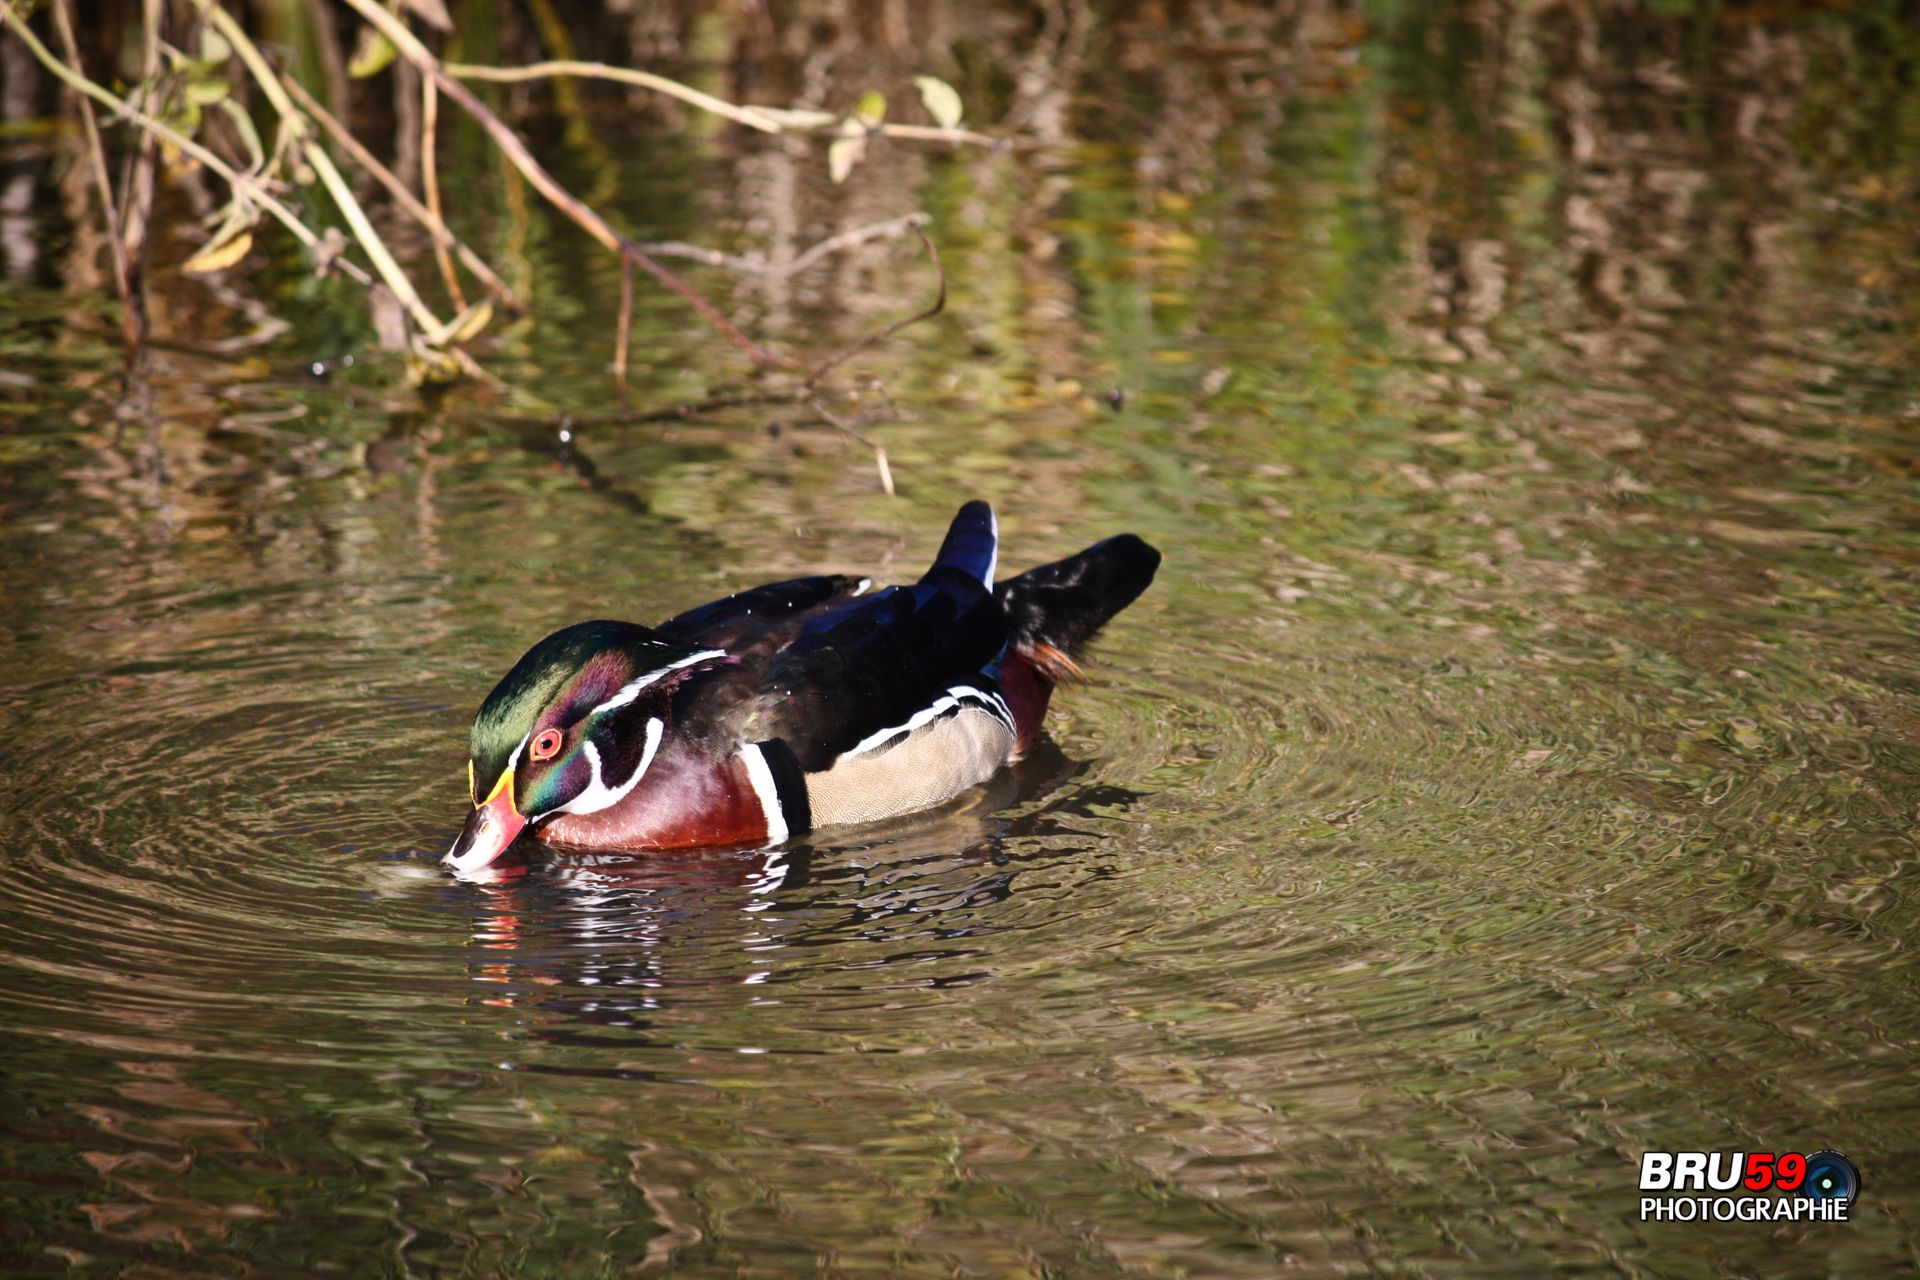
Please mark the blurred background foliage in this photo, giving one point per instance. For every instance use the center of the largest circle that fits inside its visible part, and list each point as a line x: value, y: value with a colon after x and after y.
x: 1440, y: 104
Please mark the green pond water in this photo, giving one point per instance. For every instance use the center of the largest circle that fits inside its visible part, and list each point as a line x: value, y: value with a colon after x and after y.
x: 1515, y: 768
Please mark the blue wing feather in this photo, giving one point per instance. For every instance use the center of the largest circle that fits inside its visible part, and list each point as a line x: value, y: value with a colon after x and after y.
x: 972, y: 545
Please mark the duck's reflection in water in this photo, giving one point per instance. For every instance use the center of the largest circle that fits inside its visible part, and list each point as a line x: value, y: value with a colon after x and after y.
x: 614, y: 942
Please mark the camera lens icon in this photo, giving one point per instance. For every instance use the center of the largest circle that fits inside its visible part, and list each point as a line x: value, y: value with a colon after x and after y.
x: 1830, y: 1176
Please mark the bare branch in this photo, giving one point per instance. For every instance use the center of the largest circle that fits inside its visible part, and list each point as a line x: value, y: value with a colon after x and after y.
x: 939, y: 304
x: 136, y: 188
x: 620, y: 337
x: 625, y: 75
x: 132, y: 312
x: 765, y: 119
x: 780, y: 271
x: 430, y: 186
x: 879, y: 454
x: 420, y: 213
x: 671, y: 413
x: 516, y: 150
x: 933, y: 133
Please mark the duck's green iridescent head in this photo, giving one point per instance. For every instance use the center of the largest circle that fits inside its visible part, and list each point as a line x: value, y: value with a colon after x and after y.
x: 571, y: 729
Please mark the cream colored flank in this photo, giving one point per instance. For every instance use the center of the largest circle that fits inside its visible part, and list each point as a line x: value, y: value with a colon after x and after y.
x: 932, y: 765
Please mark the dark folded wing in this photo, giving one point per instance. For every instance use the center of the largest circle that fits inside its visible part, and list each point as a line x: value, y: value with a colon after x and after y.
x: 823, y: 670
x: 869, y: 666
x: 735, y: 621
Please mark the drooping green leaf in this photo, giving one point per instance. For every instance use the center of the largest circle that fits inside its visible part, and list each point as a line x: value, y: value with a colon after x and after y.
x: 218, y: 254
x: 371, y: 54
x: 214, y: 49
x: 207, y: 90
x: 941, y: 100
x: 844, y: 153
x: 468, y: 324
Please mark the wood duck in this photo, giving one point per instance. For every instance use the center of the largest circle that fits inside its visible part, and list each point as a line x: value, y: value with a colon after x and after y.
x: 791, y: 706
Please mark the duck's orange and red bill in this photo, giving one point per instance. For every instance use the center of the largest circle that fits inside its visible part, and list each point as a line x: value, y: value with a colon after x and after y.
x: 491, y: 827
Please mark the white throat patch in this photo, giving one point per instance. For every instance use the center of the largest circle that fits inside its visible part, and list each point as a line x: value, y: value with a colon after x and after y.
x: 598, y: 794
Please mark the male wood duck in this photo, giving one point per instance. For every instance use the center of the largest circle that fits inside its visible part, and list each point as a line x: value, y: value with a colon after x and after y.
x: 796, y: 705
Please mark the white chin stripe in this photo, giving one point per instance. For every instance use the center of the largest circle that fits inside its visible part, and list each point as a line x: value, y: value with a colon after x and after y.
x: 764, y: 789
x: 632, y: 689
x: 953, y: 697
x: 598, y: 794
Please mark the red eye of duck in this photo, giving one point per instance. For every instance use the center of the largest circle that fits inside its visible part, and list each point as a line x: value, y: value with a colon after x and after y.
x: 546, y: 746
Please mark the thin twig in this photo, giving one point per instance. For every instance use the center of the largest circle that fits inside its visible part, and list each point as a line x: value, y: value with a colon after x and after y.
x: 249, y: 186
x: 628, y: 249
x: 516, y: 150
x: 764, y: 119
x: 136, y: 189
x: 626, y: 324
x: 879, y: 454
x: 671, y: 413
x: 935, y: 133
x: 132, y: 315
x: 691, y: 409
x: 472, y: 368
x: 625, y: 75
x: 430, y: 186
x: 428, y: 218
x: 833, y: 362
x: 780, y: 271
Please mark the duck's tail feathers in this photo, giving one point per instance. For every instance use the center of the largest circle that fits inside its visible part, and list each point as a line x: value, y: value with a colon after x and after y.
x: 972, y: 546
x: 1052, y: 611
